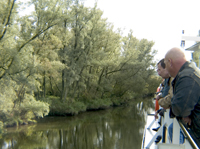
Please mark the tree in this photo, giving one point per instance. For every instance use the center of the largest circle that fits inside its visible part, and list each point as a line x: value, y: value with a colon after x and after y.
x: 65, y: 49
x: 18, y: 60
x: 136, y: 65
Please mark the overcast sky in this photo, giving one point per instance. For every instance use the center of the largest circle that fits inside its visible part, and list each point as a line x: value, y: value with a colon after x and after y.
x: 161, y: 21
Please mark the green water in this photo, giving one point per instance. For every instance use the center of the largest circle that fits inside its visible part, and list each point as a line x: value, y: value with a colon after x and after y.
x: 115, y: 128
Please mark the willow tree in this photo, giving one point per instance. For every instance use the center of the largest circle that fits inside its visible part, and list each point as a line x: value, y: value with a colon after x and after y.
x: 91, y: 44
x: 104, y: 59
x: 136, y: 64
x: 100, y: 64
x: 18, y: 67
x: 74, y: 51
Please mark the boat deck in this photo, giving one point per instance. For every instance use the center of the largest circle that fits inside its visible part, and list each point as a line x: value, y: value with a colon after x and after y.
x: 148, y: 132
x: 150, y: 136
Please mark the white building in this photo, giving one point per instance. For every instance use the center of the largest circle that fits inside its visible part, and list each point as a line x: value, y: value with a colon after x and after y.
x: 192, y: 48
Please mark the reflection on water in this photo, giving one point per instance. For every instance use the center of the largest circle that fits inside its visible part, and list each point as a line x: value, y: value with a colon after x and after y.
x: 116, y: 128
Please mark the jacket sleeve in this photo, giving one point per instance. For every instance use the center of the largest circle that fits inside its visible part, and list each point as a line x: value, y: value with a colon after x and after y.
x: 186, y: 96
x: 165, y: 102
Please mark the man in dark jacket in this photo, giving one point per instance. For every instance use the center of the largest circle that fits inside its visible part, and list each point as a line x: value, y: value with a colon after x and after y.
x: 185, y: 103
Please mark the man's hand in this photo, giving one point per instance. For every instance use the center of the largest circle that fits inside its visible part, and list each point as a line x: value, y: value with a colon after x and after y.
x: 156, y: 115
x: 187, y: 120
x: 161, y: 112
x: 157, y: 97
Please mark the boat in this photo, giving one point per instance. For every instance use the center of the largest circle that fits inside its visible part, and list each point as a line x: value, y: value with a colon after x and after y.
x: 149, y: 136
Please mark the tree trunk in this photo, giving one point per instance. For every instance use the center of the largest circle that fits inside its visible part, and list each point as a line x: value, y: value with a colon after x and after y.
x: 63, y: 84
x: 52, y: 91
x: 44, y: 85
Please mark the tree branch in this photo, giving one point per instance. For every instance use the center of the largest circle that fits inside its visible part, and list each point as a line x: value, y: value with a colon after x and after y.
x: 35, y: 36
x: 7, y: 20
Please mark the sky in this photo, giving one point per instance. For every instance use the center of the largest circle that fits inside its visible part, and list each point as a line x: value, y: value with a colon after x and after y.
x: 161, y: 21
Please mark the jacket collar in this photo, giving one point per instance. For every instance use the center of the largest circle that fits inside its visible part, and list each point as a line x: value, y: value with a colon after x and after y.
x: 184, y: 65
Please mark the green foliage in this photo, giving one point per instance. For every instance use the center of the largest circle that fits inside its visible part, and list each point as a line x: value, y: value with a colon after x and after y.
x: 69, y: 51
x: 196, y: 57
x: 99, y: 103
x: 58, y: 107
x: 38, y: 108
x: 1, y: 127
x: 26, y: 112
x: 153, y: 84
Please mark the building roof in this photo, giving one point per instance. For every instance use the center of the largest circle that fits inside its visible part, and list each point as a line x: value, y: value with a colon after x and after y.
x: 195, y: 47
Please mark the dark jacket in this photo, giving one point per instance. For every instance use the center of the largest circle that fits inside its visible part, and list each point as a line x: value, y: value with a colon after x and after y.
x: 186, y: 95
x: 166, y: 87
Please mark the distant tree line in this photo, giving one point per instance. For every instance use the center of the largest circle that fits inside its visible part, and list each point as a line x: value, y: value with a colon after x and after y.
x: 66, y: 58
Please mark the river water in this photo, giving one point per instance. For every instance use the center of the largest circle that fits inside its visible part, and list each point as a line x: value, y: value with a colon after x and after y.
x: 114, y: 128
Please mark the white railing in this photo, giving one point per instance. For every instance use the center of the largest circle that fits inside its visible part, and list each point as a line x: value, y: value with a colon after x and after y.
x: 166, y: 142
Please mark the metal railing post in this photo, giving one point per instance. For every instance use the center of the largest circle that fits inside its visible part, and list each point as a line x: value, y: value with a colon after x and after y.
x: 176, y: 132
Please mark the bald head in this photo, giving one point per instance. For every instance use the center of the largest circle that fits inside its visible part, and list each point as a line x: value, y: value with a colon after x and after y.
x: 176, y: 54
x: 174, y: 60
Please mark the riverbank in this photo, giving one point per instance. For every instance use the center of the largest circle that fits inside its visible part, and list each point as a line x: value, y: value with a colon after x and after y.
x: 58, y: 107
x: 72, y: 107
